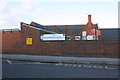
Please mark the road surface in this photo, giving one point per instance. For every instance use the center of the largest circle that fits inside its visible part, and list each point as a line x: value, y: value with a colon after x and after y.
x: 25, y: 69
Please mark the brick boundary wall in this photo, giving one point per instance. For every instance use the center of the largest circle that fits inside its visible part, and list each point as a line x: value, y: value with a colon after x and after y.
x: 15, y: 43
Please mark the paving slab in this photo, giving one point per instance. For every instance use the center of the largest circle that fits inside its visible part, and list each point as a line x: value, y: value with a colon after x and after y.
x: 62, y: 59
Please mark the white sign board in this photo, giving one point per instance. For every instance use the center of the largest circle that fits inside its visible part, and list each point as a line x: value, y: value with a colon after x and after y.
x: 90, y: 37
x: 84, y: 33
x: 83, y: 37
x: 77, y: 37
x: 52, y: 37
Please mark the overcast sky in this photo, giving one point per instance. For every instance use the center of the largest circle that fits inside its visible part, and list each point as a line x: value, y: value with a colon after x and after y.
x: 58, y: 12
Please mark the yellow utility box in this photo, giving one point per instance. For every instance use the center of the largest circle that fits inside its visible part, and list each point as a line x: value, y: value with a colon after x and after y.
x: 28, y: 41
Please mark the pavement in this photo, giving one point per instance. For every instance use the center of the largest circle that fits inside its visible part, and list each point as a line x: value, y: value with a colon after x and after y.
x: 62, y: 59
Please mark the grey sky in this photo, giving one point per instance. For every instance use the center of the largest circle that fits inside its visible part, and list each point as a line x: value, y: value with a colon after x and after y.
x: 58, y: 12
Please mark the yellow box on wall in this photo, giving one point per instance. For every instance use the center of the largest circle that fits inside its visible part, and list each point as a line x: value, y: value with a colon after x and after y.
x: 28, y: 41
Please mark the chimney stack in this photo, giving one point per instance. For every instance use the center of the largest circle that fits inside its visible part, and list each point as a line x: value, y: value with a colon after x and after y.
x: 89, y: 18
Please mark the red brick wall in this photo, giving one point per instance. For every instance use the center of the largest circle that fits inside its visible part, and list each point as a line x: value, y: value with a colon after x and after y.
x: 15, y: 43
x: 9, y: 40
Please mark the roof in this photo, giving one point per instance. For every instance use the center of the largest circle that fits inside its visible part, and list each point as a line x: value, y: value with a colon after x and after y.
x: 37, y: 25
x: 75, y: 29
x: 112, y: 33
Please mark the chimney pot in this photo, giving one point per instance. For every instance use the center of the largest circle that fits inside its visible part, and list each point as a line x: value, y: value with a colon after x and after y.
x: 89, y: 18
